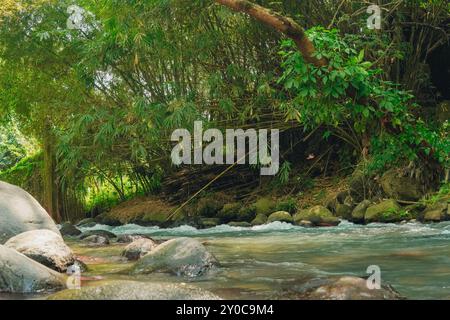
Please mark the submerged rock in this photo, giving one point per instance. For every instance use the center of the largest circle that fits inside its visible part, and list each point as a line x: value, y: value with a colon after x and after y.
x: 128, y: 238
x: 20, y: 274
x: 20, y: 212
x: 96, y: 240
x: 138, y: 249
x: 341, y: 288
x: 68, y: 229
x: 133, y: 290
x: 45, y: 247
x: 281, y: 216
x: 181, y: 256
x: 319, y: 216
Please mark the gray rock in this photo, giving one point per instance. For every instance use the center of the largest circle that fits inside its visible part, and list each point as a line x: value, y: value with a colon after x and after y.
x: 128, y: 238
x: 20, y: 212
x: 86, y: 223
x: 20, y: 274
x: 133, y: 290
x: 342, y: 288
x: 181, y: 256
x: 401, y: 188
x: 68, y: 229
x: 45, y: 247
x: 102, y: 233
x: 138, y: 249
x: 96, y: 240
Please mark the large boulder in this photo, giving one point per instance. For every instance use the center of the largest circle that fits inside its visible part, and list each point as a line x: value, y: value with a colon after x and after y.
x: 133, y: 290
x: 281, y: 216
x: 138, y: 249
x: 319, y: 216
x: 386, y: 211
x: 45, y: 247
x: 342, y: 288
x: 20, y: 274
x: 436, y: 212
x: 399, y: 187
x: 181, y: 256
x: 20, y: 212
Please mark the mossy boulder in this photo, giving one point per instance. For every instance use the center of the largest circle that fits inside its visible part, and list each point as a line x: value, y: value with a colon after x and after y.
x: 154, y: 218
x: 386, y: 211
x: 281, y: 216
x: 210, y: 205
x: 259, y: 220
x: 319, y: 216
x: 399, y: 187
x: 344, y: 211
x: 229, y: 212
x: 436, y: 212
x: 360, y: 211
x: 247, y: 213
x: 264, y: 206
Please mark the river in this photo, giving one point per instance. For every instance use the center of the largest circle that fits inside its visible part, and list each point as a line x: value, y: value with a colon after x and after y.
x: 264, y: 262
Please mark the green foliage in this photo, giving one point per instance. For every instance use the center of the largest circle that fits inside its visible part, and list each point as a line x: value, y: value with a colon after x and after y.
x: 289, y: 205
x: 350, y: 98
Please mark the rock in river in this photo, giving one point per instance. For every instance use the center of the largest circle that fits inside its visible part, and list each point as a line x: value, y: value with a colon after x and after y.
x: 181, y: 256
x: 20, y: 274
x: 341, y: 288
x: 45, y: 247
x: 68, y: 229
x: 133, y: 290
x: 20, y: 212
x: 138, y: 249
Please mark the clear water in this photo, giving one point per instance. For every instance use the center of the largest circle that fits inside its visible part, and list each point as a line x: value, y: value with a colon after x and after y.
x: 263, y: 261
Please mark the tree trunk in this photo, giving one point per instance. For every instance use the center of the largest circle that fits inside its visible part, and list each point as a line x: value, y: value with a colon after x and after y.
x: 49, y: 176
x: 283, y: 24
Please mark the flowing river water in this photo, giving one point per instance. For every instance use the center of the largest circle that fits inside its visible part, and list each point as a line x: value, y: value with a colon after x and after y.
x: 265, y: 261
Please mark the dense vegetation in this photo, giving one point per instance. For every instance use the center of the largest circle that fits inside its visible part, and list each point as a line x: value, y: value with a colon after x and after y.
x: 98, y: 103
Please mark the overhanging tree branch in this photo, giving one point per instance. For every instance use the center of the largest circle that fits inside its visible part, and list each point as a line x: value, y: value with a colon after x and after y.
x: 281, y: 23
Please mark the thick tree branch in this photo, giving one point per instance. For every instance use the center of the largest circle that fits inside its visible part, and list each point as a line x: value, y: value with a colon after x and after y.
x: 283, y: 24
